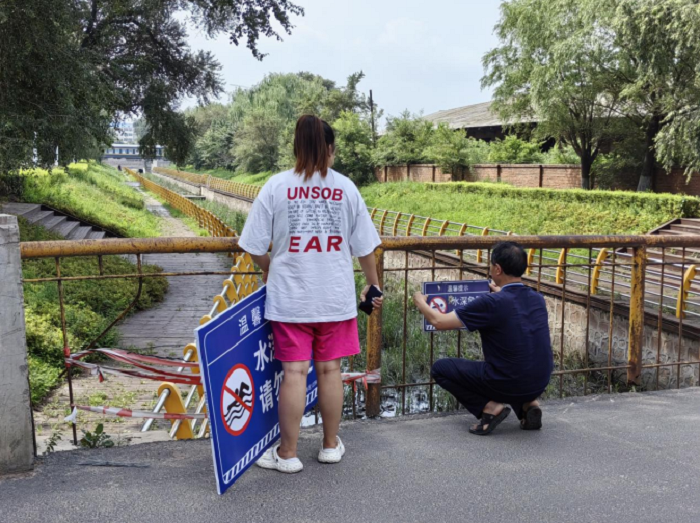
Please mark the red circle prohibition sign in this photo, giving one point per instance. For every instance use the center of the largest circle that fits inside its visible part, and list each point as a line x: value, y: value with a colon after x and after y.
x: 438, y: 303
x: 237, y: 399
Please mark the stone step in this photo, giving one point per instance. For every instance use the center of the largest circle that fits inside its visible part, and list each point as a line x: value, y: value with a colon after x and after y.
x: 686, y: 228
x: 20, y: 209
x: 79, y: 233
x: 36, y: 217
x: 67, y: 227
x: 95, y: 235
x: 54, y: 222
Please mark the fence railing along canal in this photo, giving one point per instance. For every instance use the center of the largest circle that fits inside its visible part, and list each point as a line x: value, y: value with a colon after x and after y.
x: 602, y: 342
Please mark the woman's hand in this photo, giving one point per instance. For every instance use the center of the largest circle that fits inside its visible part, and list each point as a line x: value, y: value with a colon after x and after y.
x: 376, y: 302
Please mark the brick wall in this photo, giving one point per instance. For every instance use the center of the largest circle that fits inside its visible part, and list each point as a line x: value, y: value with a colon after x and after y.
x: 534, y: 175
x: 415, y: 173
x: 529, y: 175
x: 675, y: 182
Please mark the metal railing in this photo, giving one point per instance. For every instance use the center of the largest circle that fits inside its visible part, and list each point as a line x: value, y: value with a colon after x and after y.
x: 679, y: 290
x: 609, y: 351
x: 205, y: 219
x: 241, y: 190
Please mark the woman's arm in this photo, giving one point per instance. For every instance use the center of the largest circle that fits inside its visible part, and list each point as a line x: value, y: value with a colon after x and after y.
x: 264, y: 263
x: 440, y: 321
x: 369, y: 267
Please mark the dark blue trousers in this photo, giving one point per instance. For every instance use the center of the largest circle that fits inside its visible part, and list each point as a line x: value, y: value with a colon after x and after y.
x: 464, y: 380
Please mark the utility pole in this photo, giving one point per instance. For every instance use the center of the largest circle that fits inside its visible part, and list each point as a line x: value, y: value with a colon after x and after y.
x: 371, y: 110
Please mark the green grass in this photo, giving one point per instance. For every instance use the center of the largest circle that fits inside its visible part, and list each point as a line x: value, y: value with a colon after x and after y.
x: 90, y: 306
x: 533, y: 211
x: 253, y: 179
x: 94, y: 193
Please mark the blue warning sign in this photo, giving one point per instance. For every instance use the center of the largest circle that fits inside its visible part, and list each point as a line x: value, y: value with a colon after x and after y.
x: 242, y: 380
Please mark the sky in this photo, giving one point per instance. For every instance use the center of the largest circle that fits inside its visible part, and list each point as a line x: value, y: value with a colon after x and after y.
x: 420, y: 55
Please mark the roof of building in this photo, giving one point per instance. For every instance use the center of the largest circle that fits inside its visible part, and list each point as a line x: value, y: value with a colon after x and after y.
x: 469, y: 116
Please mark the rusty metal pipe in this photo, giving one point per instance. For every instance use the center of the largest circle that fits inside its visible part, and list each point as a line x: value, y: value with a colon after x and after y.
x: 67, y: 248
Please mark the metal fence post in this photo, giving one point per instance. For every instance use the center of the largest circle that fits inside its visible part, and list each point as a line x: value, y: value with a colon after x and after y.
x: 374, y: 345
x: 636, y: 332
x: 16, y: 432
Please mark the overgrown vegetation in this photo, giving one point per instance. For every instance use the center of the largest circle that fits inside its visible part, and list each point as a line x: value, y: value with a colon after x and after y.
x: 90, y: 306
x: 411, y: 139
x: 533, y: 211
x: 255, y: 132
x: 94, y: 193
x: 68, y: 68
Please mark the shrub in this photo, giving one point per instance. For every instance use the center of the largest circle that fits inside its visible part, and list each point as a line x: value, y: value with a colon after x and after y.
x: 90, y: 306
x: 514, y: 150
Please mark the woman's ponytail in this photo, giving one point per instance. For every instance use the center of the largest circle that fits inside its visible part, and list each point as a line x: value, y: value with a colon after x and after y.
x: 311, y: 140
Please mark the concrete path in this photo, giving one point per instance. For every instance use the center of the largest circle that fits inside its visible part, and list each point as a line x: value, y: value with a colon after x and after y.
x: 621, y: 458
x: 163, y: 330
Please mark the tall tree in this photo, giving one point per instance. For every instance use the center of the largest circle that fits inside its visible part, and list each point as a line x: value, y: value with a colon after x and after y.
x: 85, y: 61
x: 550, y: 67
x: 659, y: 44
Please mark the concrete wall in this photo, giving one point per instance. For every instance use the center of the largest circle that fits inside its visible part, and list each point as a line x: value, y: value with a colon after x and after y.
x: 16, y: 434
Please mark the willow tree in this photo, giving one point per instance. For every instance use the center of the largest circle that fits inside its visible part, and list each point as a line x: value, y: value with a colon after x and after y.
x: 551, y: 67
x: 659, y: 42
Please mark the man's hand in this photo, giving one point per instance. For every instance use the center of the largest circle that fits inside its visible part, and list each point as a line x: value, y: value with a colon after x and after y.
x: 376, y: 302
x: 436, y: 318
x: 264, y: 276
x: 494, y: 287
x: 419, y: 297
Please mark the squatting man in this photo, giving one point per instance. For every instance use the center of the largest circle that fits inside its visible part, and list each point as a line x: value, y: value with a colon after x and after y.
x: 517, y: 366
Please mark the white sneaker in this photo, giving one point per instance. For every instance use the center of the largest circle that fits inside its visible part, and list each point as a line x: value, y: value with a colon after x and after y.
x: 332, y: 455
x: 271, y: 460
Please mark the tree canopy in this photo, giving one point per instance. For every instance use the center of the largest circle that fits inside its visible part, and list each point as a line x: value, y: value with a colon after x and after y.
x: 68, y: 68
x: 598, y: 72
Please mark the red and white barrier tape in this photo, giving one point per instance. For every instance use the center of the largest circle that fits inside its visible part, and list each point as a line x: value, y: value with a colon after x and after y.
x: 132, y: 357
x: 153, y: 374
x: 126, y: 413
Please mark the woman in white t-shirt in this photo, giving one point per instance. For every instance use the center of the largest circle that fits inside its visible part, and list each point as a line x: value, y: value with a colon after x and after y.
x: 317, y: 221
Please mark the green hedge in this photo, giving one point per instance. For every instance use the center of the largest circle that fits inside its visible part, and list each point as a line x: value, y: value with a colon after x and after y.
x: 534, y: 211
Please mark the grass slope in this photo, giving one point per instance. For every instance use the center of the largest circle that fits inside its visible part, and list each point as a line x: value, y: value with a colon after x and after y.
x: 533, y: 211
x: 95, y: 193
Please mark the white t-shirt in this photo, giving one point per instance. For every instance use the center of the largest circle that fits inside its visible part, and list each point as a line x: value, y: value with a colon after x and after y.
x: 316, y: 227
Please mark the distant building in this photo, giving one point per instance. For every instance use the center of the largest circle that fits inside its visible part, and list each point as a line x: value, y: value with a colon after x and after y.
x: 128, y: 155
x: 124, y: 132
x: 477, y: 120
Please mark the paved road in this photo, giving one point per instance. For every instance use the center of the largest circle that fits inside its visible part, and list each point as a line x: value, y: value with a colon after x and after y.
x: 625, y: 458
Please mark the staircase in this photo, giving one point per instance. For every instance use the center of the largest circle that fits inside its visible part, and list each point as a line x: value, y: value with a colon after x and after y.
x: 59, y: 222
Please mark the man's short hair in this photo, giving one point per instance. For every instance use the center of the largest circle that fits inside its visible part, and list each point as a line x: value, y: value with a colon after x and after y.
x: 511, y: 257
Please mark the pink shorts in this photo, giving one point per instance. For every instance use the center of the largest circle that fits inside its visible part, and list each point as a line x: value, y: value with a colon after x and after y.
x: 315, y: 341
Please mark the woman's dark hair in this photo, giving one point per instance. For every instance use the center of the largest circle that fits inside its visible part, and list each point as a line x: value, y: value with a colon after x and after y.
x: 311, y: 140
x: 511, y: 257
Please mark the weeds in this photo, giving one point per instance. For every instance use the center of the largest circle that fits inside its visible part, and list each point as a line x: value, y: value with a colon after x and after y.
x: 96, y: 439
